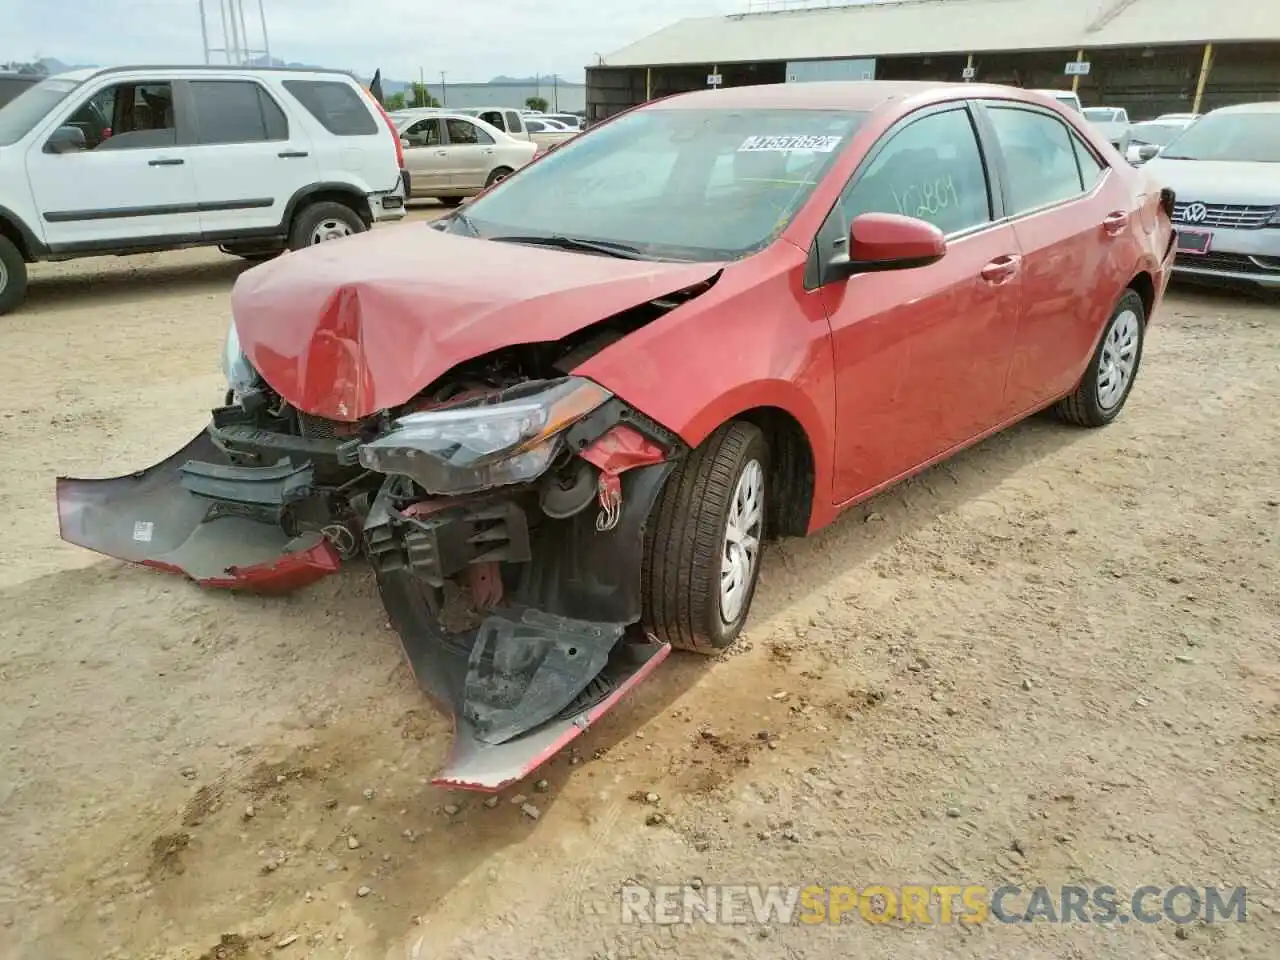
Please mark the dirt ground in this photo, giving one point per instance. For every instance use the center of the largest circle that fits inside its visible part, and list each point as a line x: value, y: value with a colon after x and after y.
x: 1055, y: 659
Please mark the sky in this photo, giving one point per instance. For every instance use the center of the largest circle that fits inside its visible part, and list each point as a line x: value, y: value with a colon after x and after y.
x: 470, y: 39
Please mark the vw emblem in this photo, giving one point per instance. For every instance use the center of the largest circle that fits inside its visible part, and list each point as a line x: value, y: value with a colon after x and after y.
x: 1195, y: 213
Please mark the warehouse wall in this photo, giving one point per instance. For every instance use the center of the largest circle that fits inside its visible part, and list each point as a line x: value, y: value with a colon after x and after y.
x: 1146, y: 81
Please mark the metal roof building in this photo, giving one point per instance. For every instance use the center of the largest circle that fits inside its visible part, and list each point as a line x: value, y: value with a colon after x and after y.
x: 1152, y: 56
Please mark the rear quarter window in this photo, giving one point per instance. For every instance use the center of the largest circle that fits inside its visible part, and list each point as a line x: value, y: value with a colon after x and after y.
x: 339, y: 108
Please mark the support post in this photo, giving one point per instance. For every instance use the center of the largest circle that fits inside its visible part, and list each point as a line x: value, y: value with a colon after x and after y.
x: 1206, y: 64
x: 1075, y: 81
x: 648, y: 84
x: 968, y: 68
x: 266, y: 43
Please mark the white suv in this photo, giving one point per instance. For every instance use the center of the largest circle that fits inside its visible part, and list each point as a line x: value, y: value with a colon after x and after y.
x: 137, y: 159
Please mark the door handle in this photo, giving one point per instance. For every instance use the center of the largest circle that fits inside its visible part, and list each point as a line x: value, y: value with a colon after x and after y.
x: 488, y: 151
x: 442, y: 153
x: 166, y: 162
x: 1113, y: 223
x: 292, y: 154
x: 1001, y: 269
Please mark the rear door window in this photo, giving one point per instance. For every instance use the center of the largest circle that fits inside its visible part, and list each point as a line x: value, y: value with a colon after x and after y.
x: 514, y: 123
x: 931, y: 169
x: 1040, y: 156
x: 337, y: 105
x: 464, y: 132
x: 237, y: 111
x: 494, y: 119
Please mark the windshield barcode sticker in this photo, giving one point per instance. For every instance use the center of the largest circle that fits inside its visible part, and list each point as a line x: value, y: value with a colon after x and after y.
x: 818, y: 144
x: 142, y: 530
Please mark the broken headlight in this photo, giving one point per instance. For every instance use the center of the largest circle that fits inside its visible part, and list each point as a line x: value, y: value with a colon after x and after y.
x: 507, y: 437
x: 241, y: 377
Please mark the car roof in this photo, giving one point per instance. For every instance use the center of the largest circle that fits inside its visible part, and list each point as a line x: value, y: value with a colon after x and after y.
x: 431, y: 114
x: 86, y: 73
x: 859, y: 95
x: 1268, y: 106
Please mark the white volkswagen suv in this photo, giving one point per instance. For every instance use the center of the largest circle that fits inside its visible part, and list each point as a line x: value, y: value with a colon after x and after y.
x: 138, y: 159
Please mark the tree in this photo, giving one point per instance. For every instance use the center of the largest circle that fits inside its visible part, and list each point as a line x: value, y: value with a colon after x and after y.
x: 395, y: 101
x: 537, y: 103
x: 419, y: 96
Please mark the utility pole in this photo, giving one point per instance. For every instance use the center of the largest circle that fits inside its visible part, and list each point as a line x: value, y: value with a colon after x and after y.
x: 444, y: 90
x: 266, y: 44
x: 555, y: 87
x: 204, y: 33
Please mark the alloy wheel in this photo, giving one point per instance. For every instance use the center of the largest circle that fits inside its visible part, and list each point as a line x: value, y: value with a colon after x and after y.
x: 1119, y: 359
x: 741, y: 549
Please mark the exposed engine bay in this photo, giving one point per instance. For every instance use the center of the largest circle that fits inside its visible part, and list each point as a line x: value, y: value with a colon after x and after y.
x: 502, y: 510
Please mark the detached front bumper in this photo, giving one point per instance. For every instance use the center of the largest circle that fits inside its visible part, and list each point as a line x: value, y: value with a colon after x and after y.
x: 158, y: 518
x: 559, y: 646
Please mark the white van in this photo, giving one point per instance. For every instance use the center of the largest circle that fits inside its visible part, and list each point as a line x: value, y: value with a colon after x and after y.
x: 138, y: 159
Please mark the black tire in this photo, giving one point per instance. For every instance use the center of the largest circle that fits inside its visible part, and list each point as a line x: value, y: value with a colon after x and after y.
x: 501, y: 173
x: 680, y: 579
x: 1084, y: 408
x: 13, y: 276
x: 309, y: 219
x: 450, y: 201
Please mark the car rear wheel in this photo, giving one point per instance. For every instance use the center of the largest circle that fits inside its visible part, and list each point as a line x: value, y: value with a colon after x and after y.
x: 498, y: 175
x: 324, y: 221
x: 1110, y: 376
x: 702, y: 549
x: 13, y: 276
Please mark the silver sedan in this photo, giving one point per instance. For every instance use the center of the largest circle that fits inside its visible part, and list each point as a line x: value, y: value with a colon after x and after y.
x: 450, y: 156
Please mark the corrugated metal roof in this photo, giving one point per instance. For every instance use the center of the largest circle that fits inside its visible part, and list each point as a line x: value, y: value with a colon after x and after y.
x: 909, y: 27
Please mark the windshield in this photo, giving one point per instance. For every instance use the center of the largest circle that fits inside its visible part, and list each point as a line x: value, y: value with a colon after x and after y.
x: 20, y: 115
x: 1242, y: 137
x: 1100, y: 114
x: 672, y: 184
x: 1157, y: 134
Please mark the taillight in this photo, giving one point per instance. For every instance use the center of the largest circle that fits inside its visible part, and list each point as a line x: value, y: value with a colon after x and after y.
x: 395, y: 134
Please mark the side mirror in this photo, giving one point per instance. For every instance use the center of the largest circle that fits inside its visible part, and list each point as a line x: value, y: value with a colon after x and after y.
x: 1147, y: 151
x: 404, y: 142
x: 66, y: 139
x: 887, y: 241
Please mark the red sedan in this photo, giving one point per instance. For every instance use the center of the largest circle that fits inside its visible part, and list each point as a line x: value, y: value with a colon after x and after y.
x: 561, y: 422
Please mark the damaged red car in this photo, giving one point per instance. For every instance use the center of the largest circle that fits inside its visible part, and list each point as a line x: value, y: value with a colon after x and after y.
x: 560, y: 422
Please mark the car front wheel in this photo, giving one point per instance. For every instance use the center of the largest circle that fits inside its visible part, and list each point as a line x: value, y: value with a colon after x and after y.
x: 703, y: 546
x: 1113, y: 369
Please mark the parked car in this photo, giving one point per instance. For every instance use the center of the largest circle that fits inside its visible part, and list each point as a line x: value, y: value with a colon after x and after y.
x: 1146, y: 139
x: 1224, y: 170
x: 578, y: 409
x: 1067, y: 98
x: 452, y: 157
x: 133, y: 159
x: 1186, y: 117
x: 509, y: 121
x: 547, y: 134
x: 1113, y: 122
x: 12, y: 84
x: 570, y: 120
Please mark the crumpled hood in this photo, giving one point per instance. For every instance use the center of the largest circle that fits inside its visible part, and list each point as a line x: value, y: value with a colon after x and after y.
x: 353, y: 326
x: 1218, y: 181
